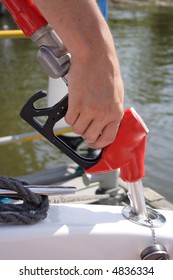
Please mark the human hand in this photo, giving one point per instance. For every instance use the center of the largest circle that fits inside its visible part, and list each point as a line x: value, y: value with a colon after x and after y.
x: 95, y: 100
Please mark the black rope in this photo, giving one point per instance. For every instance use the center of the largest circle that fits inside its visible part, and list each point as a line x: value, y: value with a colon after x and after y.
x: 33, y: 209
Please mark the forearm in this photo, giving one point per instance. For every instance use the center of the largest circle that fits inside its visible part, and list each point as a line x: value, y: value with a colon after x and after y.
x: 95, y: 100
x: 79, y: 24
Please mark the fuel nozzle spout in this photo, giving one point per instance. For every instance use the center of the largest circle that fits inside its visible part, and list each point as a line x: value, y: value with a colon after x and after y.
x: 127, y: 152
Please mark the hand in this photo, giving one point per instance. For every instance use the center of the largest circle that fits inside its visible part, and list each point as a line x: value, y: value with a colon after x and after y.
x: 95, y: 100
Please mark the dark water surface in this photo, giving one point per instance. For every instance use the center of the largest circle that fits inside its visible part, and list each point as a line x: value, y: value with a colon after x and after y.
x: 144, y: 41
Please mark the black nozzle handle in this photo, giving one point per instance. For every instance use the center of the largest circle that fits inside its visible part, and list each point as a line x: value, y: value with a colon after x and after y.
x: 53, y: 114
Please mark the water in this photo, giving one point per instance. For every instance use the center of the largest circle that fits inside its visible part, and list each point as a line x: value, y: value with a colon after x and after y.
x: 144, y: 41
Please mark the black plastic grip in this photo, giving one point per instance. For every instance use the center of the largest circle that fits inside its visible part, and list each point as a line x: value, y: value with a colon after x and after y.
x: 30, y: 114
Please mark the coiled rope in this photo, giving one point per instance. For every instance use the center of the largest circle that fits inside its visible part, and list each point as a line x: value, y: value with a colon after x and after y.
x: 33, y: 209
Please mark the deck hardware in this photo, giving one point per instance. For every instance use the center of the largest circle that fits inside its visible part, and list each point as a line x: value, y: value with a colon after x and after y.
x: 137, y: 212
x: 49, y: 190
x: 156, y: 251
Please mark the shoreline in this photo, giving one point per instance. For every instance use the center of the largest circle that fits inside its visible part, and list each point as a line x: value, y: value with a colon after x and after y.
x: 162, y: 3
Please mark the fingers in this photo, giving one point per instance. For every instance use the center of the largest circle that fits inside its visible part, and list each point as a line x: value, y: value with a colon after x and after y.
x: 106, y: 137
x: 97, y: 132
x: 87, y: 127
x: 78, y: 122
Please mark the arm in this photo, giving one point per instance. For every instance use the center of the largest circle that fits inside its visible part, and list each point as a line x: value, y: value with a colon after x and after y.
x: 95, y: 84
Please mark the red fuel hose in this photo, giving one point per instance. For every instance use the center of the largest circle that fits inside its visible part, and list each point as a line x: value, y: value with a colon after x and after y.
x: 26, y: 15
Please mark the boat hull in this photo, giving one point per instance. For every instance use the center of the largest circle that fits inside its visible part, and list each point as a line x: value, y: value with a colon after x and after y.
x: 76, y: 231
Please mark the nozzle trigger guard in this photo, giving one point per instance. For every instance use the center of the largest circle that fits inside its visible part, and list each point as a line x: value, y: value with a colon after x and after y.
x: 30, y: 114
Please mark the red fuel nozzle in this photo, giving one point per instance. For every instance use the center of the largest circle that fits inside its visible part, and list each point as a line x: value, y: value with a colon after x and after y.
x: 26, y: 14
x: 127, y: 152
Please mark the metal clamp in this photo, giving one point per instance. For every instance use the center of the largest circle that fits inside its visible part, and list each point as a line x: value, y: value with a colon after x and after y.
x: 52, y: 53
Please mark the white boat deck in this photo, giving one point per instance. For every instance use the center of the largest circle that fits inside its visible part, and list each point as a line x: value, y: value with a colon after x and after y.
x: 83, y: 232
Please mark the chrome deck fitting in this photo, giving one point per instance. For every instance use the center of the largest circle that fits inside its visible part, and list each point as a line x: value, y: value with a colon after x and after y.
x: 137, y: 212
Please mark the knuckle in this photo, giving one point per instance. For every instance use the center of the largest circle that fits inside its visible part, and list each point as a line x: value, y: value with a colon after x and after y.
x: 68, y: 120
x: 111, y: 138
x: 77, y: 130
x: 89, y: 138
